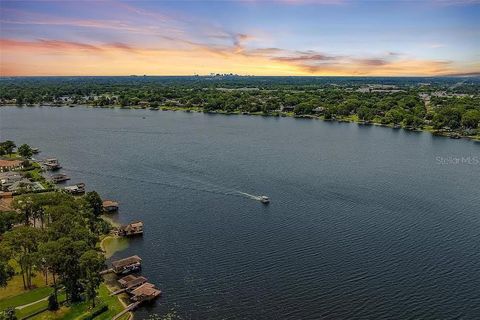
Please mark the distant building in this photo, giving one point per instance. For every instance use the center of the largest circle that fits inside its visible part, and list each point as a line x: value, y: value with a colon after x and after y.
x: 287, y: 108
x: 319, y: 110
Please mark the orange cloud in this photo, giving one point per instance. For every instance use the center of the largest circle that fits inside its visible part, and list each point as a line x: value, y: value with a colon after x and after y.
x: 56, y: 57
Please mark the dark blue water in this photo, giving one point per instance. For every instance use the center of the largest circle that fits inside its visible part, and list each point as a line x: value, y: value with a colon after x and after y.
x: 365, y: 223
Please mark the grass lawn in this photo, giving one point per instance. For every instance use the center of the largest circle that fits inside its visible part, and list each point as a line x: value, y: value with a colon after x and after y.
x: 15, y: 286
x: 83, y: 309
x: 13, y: 156
x: 40, y: 305
x: 36, y: 174
x: 26, y: 297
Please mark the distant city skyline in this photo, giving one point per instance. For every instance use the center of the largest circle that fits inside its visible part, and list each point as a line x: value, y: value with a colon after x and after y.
x: 251, y: 37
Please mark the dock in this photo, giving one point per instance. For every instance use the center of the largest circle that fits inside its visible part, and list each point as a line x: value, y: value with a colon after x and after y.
x: 106, y: 271
x: 52, y: 164
x: 127, y: 265
x: 131, y: 229
x: 114, y: 293
x: 76, y: 189
x: 129, y: 283
x: 57, y: 178
x: 129, y: 308
x: 145, y: 292
x: 110, y: 206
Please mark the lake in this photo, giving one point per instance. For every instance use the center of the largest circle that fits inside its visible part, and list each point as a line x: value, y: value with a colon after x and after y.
x: 364, y: 222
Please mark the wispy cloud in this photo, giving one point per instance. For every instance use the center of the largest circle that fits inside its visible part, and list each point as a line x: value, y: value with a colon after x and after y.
x: 136, y: 36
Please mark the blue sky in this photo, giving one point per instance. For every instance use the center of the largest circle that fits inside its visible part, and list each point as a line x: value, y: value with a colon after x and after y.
x: 247, y: 37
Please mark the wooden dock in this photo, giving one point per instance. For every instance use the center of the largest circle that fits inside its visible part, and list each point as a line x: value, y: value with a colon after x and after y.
x: 106, y: 271
x: 129, y: 308
x: 114, y: 293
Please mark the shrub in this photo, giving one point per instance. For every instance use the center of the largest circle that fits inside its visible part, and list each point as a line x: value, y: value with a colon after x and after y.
x: 96, y: 312
x: 52, y: 302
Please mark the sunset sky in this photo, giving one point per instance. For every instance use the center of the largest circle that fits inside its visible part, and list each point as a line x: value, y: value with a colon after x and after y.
x: 288, y: 37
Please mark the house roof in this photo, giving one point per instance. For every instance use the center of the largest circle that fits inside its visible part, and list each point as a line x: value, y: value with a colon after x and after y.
x: 20, y: 184
x: 10, y: 163
x: 127, y: 261
x: 9, y: 174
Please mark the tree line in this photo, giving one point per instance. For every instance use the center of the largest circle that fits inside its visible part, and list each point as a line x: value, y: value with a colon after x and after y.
x: 55, y: 235
x: 457, y: 109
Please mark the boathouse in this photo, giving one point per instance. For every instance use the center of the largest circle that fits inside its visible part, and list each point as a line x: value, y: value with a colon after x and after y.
x: 78, y: 188
x: 131, y: 281
x: 110, y: 206
x: 145, y: 292
x: 52, y: 164
x: 127, y: 265
x: 132, y: 229
x: 57, y: 178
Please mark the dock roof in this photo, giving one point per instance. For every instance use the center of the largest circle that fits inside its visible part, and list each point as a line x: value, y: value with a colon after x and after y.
x: 146, y: 290
x: 126, y: 262
x: 132, y: 226
x: 110, y: 203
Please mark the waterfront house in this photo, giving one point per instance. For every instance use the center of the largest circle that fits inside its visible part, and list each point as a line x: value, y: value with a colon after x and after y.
x: 22, y: 185
x: 110, y: 206
x: 9, y: 178
x: 131, y: 281
x: 127, y: 265
x: 131, y: 229
x: 145, y: 292
x: 8, y: 165
x: 6, y: 195
x: 319, y: 110
x: 143, y: 104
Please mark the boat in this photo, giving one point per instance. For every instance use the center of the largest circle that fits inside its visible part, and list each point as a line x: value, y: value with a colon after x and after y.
x: 264, y: 199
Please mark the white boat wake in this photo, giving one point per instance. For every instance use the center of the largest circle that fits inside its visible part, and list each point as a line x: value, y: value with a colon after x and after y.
x: 251, y: 196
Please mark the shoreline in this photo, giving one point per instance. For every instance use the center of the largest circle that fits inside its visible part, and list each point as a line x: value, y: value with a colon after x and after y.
x: 108, y: 252
x: 348, y: 119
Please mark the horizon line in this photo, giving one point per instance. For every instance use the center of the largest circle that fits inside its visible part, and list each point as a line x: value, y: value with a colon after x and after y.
x: 456, y: 75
